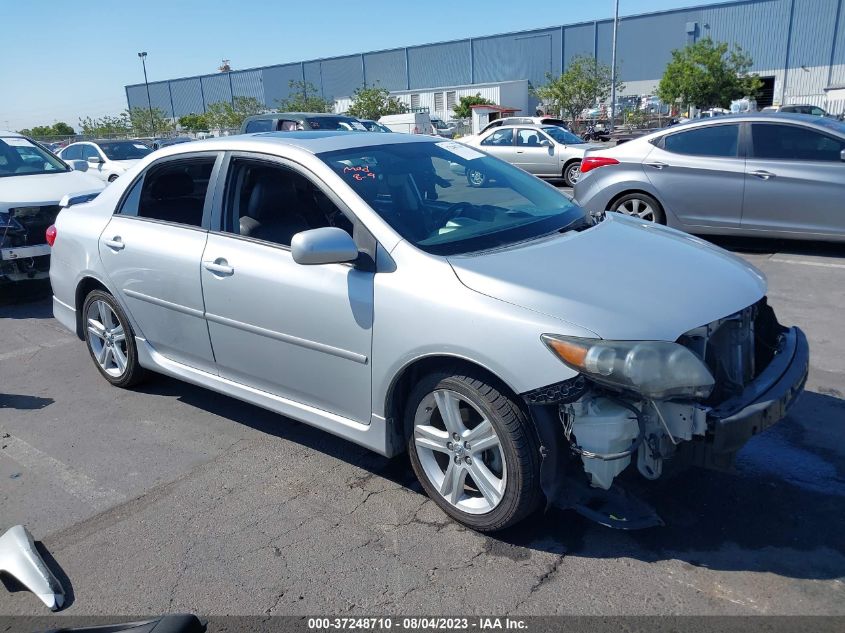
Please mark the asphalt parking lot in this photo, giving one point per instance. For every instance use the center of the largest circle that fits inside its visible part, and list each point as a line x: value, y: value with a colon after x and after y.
x: 172, y: 498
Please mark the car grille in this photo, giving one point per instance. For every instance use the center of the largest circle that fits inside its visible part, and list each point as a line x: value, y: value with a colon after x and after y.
x: 736, y: 348
x: 28, y: 225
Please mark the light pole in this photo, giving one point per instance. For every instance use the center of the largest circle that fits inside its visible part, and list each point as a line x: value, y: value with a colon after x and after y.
x: 143, y: 56
x: 613, y: 69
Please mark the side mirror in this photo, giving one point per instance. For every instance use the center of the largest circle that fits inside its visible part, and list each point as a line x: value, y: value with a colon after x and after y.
x: 95, y: 160
x: 545, y: 143
x: 78, y: 165
x: 327, y: 245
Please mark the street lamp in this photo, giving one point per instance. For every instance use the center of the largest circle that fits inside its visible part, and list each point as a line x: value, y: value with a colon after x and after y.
x: 143, y: 56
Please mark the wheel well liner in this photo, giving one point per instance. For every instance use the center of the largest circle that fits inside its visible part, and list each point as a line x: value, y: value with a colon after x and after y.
x: 82, y: 290
x: 404, y: 381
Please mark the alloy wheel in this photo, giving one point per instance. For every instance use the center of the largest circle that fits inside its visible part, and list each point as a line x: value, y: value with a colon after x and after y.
x: 637, y: 208
x: 107, y: 338
x: 460, y: 452
x: 573, y: 173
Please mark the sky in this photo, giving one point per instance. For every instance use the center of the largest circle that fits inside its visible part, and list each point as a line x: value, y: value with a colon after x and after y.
x: 65, y: 60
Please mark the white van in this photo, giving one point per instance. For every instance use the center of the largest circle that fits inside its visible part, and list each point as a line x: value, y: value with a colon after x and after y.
x: 411, y: 123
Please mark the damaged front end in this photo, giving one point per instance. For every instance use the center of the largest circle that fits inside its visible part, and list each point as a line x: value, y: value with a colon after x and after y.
x: 24, y: 253
x: 697, y: 400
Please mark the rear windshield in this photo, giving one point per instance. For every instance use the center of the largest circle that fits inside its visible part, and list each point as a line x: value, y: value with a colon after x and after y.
x: 563, y: 136
x: 22, y: 157
x: 124, y: 150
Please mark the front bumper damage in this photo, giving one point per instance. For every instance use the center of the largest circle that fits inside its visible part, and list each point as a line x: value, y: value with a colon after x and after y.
x: 713, y: 433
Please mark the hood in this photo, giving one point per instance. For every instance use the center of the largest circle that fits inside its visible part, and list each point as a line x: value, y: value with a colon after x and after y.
x: 44, y: 189
x: 124, y: 164
x: 622, y: 279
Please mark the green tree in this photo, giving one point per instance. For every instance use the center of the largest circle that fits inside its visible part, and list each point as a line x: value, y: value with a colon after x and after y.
x: 585, y: 82
x: 708, y: 75
x: 106, y: 126
x: 194, y: 123
x: 43, y: 131
x: 61, y: 128
x: 230, y: 115
x: 142, y: 124
x: 462, y: 108
x: 374, y: 102
x: 304, y: 97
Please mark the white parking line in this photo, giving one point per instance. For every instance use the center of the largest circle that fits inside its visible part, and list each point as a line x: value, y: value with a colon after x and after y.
x: 28, y: 351
x: 780, y: 260
x: 73, y: 482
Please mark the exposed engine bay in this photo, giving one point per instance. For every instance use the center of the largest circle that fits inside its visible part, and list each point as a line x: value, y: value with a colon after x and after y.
x: 22, y: 242
x: 748, y: 355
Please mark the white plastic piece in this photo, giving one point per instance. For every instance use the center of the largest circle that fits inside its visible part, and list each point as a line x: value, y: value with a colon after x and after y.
x: 19, y: 558
x: 604, y: 427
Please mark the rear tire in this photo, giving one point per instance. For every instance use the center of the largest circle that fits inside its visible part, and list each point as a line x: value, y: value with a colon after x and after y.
x: 640, y: 205
x: 572, y: 172
x: 110, y: 340
x: 486, y: 436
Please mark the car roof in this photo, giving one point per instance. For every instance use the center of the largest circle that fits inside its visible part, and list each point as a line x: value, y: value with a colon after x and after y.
x: 10, y: 133
x: 314, y: 142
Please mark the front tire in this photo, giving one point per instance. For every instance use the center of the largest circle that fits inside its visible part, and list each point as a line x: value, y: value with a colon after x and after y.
x: 473, y: 450
x: 110, y: 340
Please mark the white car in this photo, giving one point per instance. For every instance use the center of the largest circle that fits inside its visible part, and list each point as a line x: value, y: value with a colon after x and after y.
x: 548, y: 151
x: 106, y: 159
x: 32, y: 184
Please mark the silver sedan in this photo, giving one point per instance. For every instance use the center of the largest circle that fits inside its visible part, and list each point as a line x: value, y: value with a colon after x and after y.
x: 768, y: 175
x: 499, y: 334
x: 548, y: 151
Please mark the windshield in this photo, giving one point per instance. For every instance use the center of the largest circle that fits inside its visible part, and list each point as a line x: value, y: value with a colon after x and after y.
x: 124, y: 150
x: 372, y: 126
x: 562, y: 136
x: 440, y: 125
x: 335, y: 123
x: 430, y: 194
x: 22, y: 157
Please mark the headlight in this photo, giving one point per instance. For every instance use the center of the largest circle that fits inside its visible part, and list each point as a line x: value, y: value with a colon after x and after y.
x: 655, y: 369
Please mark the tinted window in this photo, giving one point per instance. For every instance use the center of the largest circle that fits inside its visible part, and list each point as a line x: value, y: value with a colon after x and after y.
x: 423, y: 191
x: 715, y: 140
x: 72, y: 152
x: 259, y: 125
x: 89, y: 151
x: 173, y: 191
x: 499, y: 137
x: 20, y: 156
x: 271, y: 203
x: 791, y: 142
x: 124, y: 150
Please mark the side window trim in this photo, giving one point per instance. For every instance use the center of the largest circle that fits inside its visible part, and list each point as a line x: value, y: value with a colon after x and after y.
x: 209, y: 193
x: 738, y: 155
x: 752, y: 156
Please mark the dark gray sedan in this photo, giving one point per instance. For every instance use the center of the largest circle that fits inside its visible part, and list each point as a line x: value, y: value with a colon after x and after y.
x: 779, y: 175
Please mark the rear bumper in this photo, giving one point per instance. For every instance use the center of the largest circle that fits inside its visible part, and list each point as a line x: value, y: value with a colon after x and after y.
x: 766, y: 400
x: 23, y: 252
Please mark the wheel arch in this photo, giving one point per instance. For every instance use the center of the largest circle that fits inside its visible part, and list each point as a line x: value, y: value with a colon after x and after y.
x: 83, y: 289
x: 403, y: 382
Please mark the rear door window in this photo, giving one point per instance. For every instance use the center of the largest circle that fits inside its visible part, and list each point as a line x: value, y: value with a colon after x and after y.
x: 259, y: 125
x: 73, y: 152
x: 714, y: 140
x: 172, y: 191
x: 773, y: 141
x: 499, y: 138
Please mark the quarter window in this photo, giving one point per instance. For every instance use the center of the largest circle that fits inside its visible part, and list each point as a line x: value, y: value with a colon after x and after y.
x: 173, y: 191
x: 499, y: 137
x: 713, y: 140
x: 792, y: 142
x: 272, y: 203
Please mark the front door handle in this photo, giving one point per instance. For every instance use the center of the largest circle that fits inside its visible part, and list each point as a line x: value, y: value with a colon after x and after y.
x: 763, y: 175
x: 115, y: 243
x: 657, y: 165
x: 219, y: 267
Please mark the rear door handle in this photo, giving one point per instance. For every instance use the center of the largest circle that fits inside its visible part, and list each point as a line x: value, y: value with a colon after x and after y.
x: 115, y: 243
x: 657, y: 165
x: 219, y: 267
x: 764, y: 175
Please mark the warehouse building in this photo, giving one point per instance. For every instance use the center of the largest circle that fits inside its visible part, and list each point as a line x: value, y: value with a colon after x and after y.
x: 798, y: 48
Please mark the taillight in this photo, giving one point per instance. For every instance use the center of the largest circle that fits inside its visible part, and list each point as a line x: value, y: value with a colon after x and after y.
x: 593, y: 162
x: 50, y: 234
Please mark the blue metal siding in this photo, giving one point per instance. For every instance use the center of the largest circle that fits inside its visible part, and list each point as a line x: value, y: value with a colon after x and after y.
x: 520, y: 56
x: 760, y: 27
x: 160, y: 97
x: 276, y: 82
x: 812, y: 32
x: 439, y: 65
x: 187, y: 97
x: 314, y: 75
x: 216, y: 88
x: 136, y: 96
x: 577, y: 40
x: 246, y: 83
x: 342, y: 76
x: 837, y: 75
x: 645, y: 44
x: 386, y: 69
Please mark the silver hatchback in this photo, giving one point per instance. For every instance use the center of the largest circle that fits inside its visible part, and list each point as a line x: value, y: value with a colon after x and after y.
x: 500, y: 335
x: 776, y: 175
